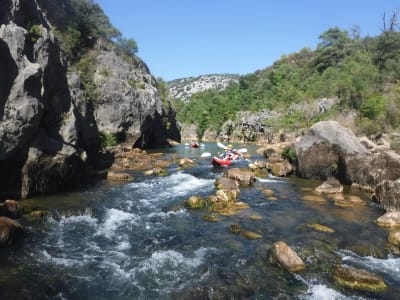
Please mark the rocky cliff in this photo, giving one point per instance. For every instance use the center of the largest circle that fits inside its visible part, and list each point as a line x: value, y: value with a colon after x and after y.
x: 184, y: 88
x: 49, y: 131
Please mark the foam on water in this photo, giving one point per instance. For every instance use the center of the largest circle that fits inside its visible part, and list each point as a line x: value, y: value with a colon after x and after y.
x: 178, y: 184
x: 390, y: 265
x: 270, y: 180
x: 172, y: 261
x: 319, y: 291
x: 114, y: 219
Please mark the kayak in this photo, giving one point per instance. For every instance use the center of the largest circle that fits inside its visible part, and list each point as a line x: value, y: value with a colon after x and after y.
x: 221, y: 162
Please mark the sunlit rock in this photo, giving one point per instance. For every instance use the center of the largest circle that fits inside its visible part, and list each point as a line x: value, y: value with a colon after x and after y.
x: 224, y: 183
x: 282, y: 255
x: 389, y: 219
x: 357, y: 279
x: 281, y: 168
x: 119, y: 176
x: 394, y: 237
x: 195, y: 202
x: 244, y: 177
x: 186, y: 163
x: 330, y: 186
x: 156, y: 172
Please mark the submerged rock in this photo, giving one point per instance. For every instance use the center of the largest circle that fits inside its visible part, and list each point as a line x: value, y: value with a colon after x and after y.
x: 250, y: 235
x: 348, y: 200
x: 330, y: 186
x: 320, y: 227
x: 314, y: 198
x: 357, y: 279
x: 282, y: 255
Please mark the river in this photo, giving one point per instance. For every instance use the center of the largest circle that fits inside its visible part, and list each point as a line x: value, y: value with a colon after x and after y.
x: 136, y: 241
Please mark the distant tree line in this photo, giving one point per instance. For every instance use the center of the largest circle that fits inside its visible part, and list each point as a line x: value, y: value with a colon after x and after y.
x: 363, y: 73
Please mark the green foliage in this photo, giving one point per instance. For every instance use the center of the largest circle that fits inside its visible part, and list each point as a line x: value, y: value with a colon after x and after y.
x: 290, y: 154
x: 362, y: 73
x: 107, y: 140
x: 128, y: 46
x: 373, y: 107
x: 34, y: 33
x: 86, y: 68
x: 80, y: 24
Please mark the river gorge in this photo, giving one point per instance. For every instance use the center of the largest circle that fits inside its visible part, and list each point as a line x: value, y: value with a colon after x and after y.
x: 135, y: 240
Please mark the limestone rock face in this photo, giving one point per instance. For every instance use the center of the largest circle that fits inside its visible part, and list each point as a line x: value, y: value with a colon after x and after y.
x: 38, y: 152
x: 129, y: 105
x: 387, y: 194
x: 49, y: 131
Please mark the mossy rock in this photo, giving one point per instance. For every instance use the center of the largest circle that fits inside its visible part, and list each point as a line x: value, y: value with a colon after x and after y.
x: 255, y: 217
x: 195, y: 202
x: 320, y: 227
x: 314, y: 198
x: 211, y: 218
x: 394, y: 237
x: 250, y: 235
x: 357, y: 279
x: 238, y: 230
x: 36, y: 216
x: 268, y: 192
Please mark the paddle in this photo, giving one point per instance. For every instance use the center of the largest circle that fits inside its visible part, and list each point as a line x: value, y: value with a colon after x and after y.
x: 206, y: 154
x: 242, y: 150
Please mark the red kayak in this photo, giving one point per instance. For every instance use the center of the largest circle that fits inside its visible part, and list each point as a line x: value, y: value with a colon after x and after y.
x: 221, y: 162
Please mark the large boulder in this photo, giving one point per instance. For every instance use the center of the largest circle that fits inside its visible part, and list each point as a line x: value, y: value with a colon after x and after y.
x: 324, y: 148
x: 330, y: 149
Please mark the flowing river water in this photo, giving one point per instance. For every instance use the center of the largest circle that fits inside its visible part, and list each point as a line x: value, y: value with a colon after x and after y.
x: 136, y: 241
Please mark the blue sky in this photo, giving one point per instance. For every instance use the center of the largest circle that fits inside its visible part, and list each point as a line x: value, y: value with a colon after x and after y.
x: 183, y: 38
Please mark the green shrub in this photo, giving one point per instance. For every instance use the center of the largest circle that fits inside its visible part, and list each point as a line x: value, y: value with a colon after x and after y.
x: 107, y: 140
x: 290, y: 154
x: 34, y: 33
